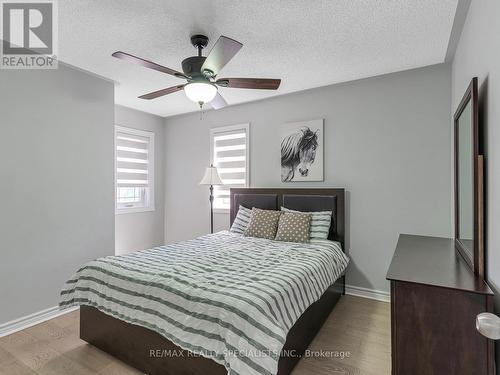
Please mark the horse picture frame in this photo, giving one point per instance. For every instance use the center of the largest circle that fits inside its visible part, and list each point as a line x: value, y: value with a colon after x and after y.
x: 302, y: 151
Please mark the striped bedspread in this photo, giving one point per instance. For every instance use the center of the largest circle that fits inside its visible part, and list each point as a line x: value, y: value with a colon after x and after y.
x: 223, y: 296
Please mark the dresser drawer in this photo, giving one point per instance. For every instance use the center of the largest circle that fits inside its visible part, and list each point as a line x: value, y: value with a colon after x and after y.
x: 433, y: 331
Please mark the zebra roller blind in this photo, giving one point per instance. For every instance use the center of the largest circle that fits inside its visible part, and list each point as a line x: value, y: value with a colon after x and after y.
x: 229, y: 150
x: 134, y: 169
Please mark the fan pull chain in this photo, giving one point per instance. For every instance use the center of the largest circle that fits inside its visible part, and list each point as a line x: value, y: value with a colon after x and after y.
x: 201, y: 110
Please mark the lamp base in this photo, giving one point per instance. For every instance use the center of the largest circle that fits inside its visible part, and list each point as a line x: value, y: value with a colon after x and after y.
x: 211, y: 209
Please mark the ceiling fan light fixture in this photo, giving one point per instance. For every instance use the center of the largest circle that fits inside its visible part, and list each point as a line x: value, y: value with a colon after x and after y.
x: 200, y: 92
x: 200, y: 72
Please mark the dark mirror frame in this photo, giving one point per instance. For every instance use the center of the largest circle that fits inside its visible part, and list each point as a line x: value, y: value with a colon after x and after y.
x: 475, y: 256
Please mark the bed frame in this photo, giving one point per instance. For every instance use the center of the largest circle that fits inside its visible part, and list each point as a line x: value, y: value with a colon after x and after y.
x: 153, y: 354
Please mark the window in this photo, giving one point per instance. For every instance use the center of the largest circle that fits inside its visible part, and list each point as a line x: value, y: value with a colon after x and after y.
x: 229, y: 153
x: 134, y: 151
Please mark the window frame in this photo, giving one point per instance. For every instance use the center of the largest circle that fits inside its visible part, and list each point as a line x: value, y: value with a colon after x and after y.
x: 151, y: 169
x: 222, y: 129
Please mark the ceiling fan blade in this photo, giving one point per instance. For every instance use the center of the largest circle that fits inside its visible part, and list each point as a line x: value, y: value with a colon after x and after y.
x: 250, y: 83
x: 218, y: 102
x: 162, y: 92
x: 146, y: 63
x: 223, y: 51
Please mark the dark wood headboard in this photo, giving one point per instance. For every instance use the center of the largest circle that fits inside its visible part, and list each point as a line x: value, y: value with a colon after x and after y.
x: 295, y: 199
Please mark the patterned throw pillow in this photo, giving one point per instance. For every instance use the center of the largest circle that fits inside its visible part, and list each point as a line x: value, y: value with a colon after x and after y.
x: 263, y: 223
x: 241, y: 220
x: 320, y: 223
x: 294, y: 227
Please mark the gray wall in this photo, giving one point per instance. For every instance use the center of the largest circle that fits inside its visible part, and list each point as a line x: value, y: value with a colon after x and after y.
x: 478, y: 54
x: 387, y: 141
x: 56, y: 175
x: 142, y: 230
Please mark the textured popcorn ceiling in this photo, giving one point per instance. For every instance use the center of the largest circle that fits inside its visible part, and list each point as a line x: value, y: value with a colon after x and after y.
x: 306, y: 43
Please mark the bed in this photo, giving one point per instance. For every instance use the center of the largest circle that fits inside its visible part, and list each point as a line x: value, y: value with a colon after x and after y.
x: 220, y: 303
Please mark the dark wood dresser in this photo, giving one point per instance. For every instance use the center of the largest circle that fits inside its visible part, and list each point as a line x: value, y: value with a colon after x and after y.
x: 435, y: 298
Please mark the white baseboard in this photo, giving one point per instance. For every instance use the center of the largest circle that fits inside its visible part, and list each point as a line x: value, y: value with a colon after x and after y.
x: 378, y: 295
x: 33, y: 319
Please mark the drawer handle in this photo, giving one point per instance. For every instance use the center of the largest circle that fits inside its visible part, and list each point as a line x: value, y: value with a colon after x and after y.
x: 488, y: 325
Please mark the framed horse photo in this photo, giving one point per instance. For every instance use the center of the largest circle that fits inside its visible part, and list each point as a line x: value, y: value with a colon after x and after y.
x: 302, y: 151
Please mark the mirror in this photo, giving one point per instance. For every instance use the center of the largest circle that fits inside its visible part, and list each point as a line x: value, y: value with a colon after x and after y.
x: 469, y: 182
x: 466, y: 180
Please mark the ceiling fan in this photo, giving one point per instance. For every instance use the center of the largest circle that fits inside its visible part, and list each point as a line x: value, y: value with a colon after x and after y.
x: 201, y: 72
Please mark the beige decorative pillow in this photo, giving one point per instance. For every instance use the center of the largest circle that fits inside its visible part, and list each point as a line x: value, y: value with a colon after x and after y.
x: 294, y: 227
x: 263, y: 223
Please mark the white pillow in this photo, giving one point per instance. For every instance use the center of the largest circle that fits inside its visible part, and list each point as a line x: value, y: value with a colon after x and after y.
x: 320, y: 223
x: 241, y: 220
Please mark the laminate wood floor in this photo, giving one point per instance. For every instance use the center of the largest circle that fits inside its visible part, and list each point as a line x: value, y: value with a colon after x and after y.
x: 355, y: 340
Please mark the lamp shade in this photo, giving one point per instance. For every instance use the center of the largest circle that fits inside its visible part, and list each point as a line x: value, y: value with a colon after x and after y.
x: 200, y: 92
x: 211, y: 177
